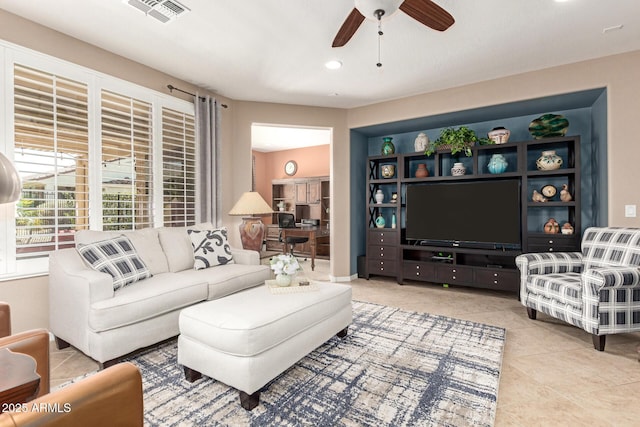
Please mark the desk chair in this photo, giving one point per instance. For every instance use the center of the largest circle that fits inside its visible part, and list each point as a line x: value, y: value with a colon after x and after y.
x: 287, y: 220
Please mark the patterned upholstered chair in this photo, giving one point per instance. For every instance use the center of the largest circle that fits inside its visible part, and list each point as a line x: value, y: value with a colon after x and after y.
x: 597, y: 289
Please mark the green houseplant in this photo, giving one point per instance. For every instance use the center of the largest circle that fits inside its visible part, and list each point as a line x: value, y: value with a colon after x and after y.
x: 457, y: 140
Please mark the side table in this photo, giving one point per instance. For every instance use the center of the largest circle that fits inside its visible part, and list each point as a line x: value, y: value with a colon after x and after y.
x: 19, y: 381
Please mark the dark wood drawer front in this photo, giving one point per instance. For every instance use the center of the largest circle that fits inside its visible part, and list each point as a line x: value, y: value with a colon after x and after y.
x: 415, y: 270
x: 454, y: 273
x: 382, y: 252
x: 497, y: 278
x: 553, y: 243
x: 383, y: 267
x: 377, y: 237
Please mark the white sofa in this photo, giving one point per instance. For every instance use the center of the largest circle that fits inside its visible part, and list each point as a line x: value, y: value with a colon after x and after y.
x: 86, y: 312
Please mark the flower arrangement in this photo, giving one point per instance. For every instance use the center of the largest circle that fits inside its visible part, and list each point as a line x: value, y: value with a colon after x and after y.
x: 285, y: 264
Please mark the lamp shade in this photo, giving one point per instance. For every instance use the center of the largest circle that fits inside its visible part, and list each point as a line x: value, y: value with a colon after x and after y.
x: 251, y: 204
x: 10, y: 185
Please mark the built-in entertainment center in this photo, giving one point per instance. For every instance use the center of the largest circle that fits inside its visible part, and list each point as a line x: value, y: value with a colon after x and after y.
x: 468, y: 229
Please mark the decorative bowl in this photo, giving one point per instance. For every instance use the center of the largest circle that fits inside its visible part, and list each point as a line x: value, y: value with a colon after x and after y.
x: 388, y: 171
x: 549, y: 125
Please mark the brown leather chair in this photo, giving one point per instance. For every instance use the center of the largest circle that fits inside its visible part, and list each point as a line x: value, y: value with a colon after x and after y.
x: 112, y: 397
x: 34, y: 343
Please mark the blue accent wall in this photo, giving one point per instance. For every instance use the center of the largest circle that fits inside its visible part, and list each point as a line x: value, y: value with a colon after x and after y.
x: 585, y: 110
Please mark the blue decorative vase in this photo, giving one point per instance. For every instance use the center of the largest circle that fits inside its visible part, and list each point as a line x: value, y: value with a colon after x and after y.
x: 387, y: 146
x: 497, y: 164
x: 380, y: 222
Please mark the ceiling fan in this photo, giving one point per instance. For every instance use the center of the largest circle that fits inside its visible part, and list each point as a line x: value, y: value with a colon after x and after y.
x: 424, y: 11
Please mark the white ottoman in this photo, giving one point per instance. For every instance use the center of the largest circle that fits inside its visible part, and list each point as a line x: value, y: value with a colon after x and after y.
x: 248, y: 338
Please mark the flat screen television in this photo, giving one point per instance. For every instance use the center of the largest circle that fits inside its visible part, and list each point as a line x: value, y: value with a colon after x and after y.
x: 479, y: 214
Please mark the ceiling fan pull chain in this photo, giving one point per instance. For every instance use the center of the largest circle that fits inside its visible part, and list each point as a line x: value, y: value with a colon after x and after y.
x: 379, y: 13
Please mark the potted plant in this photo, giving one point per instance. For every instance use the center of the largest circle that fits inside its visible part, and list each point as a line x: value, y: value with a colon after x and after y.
x: 457, y: 140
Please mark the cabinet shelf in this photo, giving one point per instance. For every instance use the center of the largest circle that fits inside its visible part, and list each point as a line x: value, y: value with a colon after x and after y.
x: 557, y: 172
x: 551, y: 204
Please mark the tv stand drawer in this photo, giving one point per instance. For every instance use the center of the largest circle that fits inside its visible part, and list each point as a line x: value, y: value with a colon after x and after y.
x: 494, y: 278
x: 382, y: 267
x: 416, y: 270
x: 382, y: 252
x: 453, y: 273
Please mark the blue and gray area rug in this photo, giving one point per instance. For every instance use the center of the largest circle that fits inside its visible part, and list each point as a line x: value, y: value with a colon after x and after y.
x: 395, y: 368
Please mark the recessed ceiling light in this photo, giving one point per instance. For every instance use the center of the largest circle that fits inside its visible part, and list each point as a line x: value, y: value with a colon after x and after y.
x: 333, y: 64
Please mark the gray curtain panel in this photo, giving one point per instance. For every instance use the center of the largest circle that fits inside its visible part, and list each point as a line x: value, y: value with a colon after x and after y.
x: 207, y: 120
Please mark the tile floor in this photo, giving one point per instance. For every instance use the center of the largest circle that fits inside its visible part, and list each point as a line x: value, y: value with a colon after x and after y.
x: 551, y: 375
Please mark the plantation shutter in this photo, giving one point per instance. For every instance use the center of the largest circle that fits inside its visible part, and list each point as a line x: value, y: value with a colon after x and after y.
x: 126, y: 162
x: 51, y: 156
x: 178, y: 168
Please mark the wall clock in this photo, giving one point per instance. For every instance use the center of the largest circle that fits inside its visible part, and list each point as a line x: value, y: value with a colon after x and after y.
x: 290, y: 168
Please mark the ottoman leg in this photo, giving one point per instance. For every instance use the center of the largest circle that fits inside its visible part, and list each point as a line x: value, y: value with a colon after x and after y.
x: 191, y: 374
x: 249, y: 401
x: 343, y: 333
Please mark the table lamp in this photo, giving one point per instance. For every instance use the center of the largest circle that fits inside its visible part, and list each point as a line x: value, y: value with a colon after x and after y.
x: 10, y: 185
x: 251, y: 206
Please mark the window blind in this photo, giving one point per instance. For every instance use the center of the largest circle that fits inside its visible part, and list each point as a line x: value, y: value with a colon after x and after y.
x: 126, y: 129
x: 51, y: 146
x: 178, y: 168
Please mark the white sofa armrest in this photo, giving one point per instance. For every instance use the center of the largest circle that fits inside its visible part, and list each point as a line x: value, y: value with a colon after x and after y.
x: 73, y: 287
x: 245, y: 256
x: 68, y: 265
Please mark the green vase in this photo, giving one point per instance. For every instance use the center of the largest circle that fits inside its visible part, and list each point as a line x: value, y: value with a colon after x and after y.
x: 387, y: 146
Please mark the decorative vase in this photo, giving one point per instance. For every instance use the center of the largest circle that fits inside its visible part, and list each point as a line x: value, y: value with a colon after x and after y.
x: 393, y: 220
x: 549, y: 125
x: 421, y: 142
x: 549, y: 161
x: 458, y: 169
x: 422, y: 171
x: 387, y: 171
x: 387, y: 146
x: 497, y: 164
x: 551, y: 226
x: 499, y: 135
x: 379, y: 196
x: 380, y: 222
x: 283, y: 280
x: 567, y: 228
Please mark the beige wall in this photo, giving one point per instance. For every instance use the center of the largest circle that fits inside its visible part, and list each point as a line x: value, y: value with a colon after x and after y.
x: 246, y: 113
x: 618, y: 73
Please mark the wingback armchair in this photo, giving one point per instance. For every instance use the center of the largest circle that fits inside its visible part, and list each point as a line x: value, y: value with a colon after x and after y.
x: 597, y: 289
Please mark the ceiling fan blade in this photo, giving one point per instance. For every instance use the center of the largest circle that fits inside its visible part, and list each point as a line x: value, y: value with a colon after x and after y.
x: 348, y: 29
x: 428, y: 13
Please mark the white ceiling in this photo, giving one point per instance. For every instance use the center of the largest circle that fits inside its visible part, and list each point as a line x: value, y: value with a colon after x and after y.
x: 274, y: 50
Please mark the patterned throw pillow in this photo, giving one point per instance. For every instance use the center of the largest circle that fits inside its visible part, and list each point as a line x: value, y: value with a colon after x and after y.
x: 210, y: 248
x: 116, y: 257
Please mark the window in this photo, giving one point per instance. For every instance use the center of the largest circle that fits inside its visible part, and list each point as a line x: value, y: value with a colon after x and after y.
x: 126, y: 162
x: 178, y: 168
x: 93, y: 152
x: 51, y: 146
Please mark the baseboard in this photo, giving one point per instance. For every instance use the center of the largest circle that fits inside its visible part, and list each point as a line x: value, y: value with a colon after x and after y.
x: 343, y: 278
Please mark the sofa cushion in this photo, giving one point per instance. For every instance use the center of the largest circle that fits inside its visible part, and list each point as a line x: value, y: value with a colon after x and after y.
x: 145, y: 241
x: 150, y: 298
x: 210, y: 248
x: 230, y: 278
x: 116, y: 257
x: 177, y: 246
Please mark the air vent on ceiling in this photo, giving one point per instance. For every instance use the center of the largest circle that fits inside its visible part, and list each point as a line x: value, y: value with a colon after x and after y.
x: 162, y: 10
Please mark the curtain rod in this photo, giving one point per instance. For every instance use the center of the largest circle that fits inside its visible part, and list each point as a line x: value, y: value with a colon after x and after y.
x: 172, y: 88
